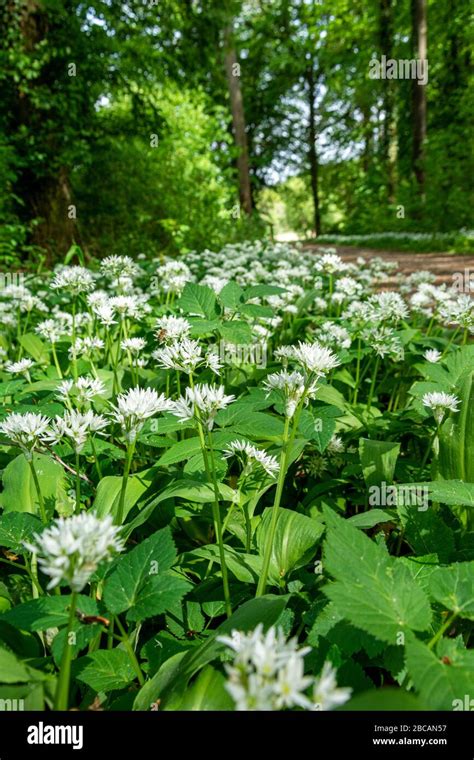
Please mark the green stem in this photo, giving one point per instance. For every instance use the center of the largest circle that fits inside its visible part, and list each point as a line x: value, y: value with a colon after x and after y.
x: 55, y: 358
x: 357, y: 378
x: 217, y: 521
x: 445, y: 627
x: 372, y: 385
x: 78, y: 484
x: 262, y: 583
x: 62, y: 690
x: 38, y: 491
x: 130, y: 652
x: 126, y: 471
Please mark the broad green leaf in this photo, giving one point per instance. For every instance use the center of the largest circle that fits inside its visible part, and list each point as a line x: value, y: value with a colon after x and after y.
x: 453, y: 587
x: 378, y: 460
x: 47, y: 612
x: 295, y: 542
x: 35, y: 347
x: 457, y: 437
x: 372, y: 591
x: 453, y: 492
x: 106, y: 670
x: 260, y: 291
x: 12, y: 670
x: 208, y: 692
x: 19, y: 494
x: 17, y: 527
x: 236, y: 331
x: 108, y: 492
x: 440, y: 685
x: 140, y: 583
x: 231, y: 295
x: 426, y: 532
x: 198, y: 300
x: 372, y: 517
x: 386, y: 699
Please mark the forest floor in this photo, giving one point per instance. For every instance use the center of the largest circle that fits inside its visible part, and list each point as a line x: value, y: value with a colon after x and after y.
x: 444, y: 265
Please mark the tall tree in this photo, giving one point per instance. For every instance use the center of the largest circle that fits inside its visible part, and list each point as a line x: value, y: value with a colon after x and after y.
x: 232, y: 68
x: 420, y: 34
x: 312, y: 149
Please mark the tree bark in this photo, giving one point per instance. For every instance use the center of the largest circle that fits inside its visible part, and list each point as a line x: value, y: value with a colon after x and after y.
x: 312, y: 152
x: 388, y: 131
x: 46, y: 194
x: 419, y: 32
x: 232, y: 69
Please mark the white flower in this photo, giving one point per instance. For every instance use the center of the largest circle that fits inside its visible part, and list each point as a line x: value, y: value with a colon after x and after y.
x: 134, y: 345
x: 82, y: 390
x: 85, y: 346
x: 315, y: 358
x: 25, y: 430
x: 126, y: 306
x: 432, y: 355
x: 105, y: 313
x: 74, y: 279
x: 119, y: 266
x: 439, y: 403
x: 183, y: 355
x: 50, y: 329
x: 21, y: 367
x: 72, y: 549
x: 326, y: 693
x: 330, y: 263
x: 266, y: 461
x: 171, y: 328
x: 202, y: 403
x: 267, y: 672
x: 293, y: 388
x: 76, y: 427
x: 135, y: 406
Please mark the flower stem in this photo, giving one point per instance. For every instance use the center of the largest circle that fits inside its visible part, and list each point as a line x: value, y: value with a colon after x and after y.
x: 62, y: 690
x: 38, y: 491
x: 372, y: 385
x: 55, y: 358
x: 78, y: 484
x: 130, y: 652
x: 126, y: 471
x: 262, y: 583
x: 445, y: 627
x: 217, y: 521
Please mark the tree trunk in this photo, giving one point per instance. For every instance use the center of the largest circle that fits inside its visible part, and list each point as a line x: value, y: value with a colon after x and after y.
x: 388, y: 131
x: 232, y: 68
x: 420, y: 30
x: 312, y: 152
x: 46, y: 194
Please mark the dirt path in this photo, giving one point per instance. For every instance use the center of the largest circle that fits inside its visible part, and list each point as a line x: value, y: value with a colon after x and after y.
x: 443, y: 265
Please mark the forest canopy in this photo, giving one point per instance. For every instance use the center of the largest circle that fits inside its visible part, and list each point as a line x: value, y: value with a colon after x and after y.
x: 184, y: 124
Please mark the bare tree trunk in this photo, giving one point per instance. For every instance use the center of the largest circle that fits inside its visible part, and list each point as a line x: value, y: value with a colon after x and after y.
x: 312, y: 152
x: 46, y: 195
x: 232, y: 68
x: 420, y: 32
x: 388, y: 136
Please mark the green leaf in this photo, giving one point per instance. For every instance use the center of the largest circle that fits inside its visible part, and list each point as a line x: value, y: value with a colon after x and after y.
x: 17, y: 527
x: 35, y: 347
x: 453, y: 492
x: 12, y: 670
x: 170, y: 683
x: 260, y: 291
x: 426, y: 532
x: 236, y: 332
x: 199, y: 300
x: 386, y: 699
x: 440, y: 685
x: 456, y: 441
x: 47, y: 612
x: 208, y: 692
x: 378, y: 460
x: 140, y: 583
x: 371, y: 518
x: 19, y: 494
x: 453, y: 587
x: 372, y: 591
x: 231, y: 296
x: 296, y: 540
x: 108, y: 492
x: 106, y: 670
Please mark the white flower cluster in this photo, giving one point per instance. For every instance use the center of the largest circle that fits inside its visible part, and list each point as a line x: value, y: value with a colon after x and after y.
x: 267, y: 673
x: 135, y: 406
x: 201, y: 404
x: 252, y: 456
x: 72, y: 549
